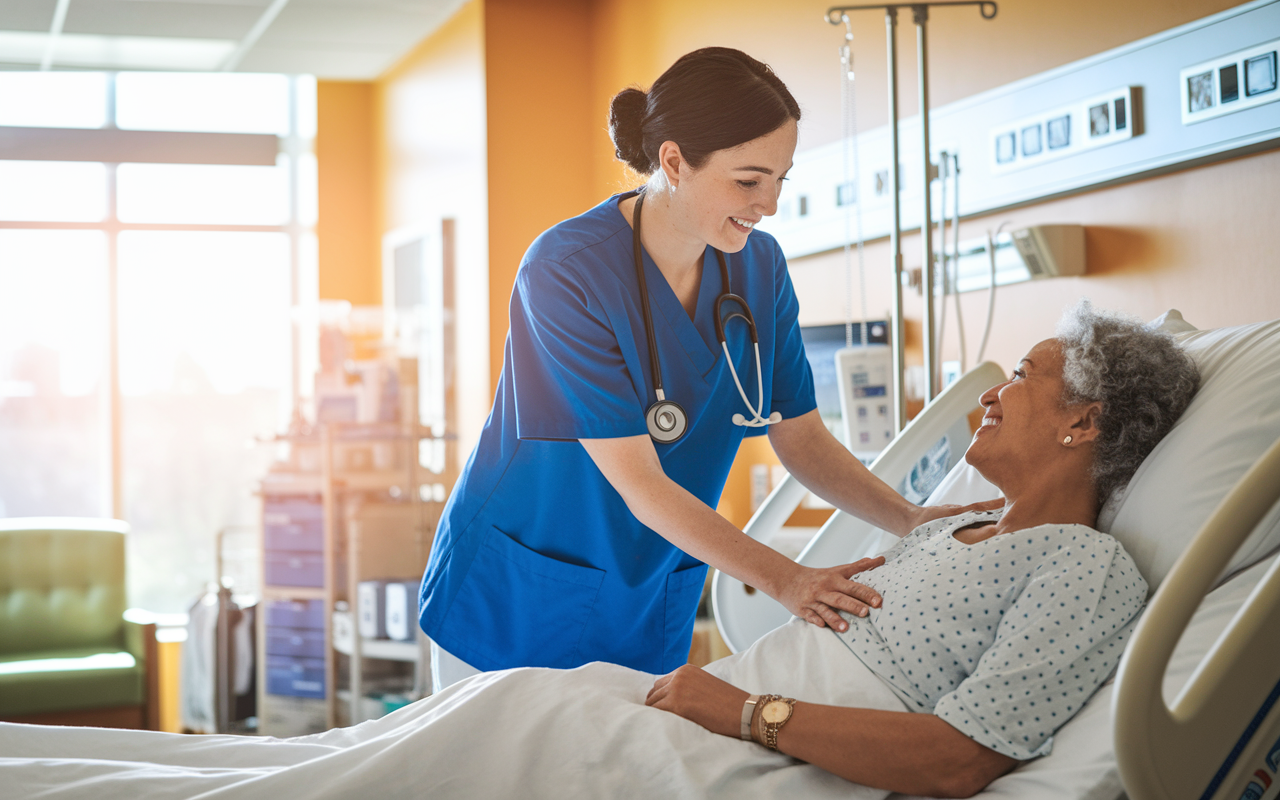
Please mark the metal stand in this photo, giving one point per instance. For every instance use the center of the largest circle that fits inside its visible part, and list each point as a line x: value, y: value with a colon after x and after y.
x: 920, y: 14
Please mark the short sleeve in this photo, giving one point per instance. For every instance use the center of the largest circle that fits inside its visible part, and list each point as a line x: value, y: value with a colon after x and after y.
x: 792, y: 393
x: 1054, y: 647
x: 570, y: 377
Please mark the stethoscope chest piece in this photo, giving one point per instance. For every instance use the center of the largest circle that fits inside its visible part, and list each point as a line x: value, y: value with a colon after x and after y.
x: 667, y: 421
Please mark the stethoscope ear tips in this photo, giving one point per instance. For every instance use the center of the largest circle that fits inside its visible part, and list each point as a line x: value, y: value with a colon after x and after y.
x: 775, y: 418
x: 738, y: 419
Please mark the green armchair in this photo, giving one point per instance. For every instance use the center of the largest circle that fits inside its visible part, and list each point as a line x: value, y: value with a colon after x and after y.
x: 68, y: 656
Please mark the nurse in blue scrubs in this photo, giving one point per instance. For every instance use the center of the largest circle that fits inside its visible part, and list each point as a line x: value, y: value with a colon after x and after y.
x: 582, y: 525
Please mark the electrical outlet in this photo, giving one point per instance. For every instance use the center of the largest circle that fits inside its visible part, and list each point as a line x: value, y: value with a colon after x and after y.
x: 1100, y: 120
x: 1230, y: 83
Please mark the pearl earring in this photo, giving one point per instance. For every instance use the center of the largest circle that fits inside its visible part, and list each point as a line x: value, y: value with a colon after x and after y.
x: 1067, y: 440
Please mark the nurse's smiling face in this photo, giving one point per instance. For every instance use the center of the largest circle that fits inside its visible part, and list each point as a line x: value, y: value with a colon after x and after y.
x: 721, y: 201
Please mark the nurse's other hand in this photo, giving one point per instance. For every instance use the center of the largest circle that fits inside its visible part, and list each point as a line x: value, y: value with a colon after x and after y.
x: 923, y: 514
x: 697, y: 695
x: 819, y: 595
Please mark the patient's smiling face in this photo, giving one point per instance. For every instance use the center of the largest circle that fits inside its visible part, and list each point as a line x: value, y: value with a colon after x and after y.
x: 1023, y: 418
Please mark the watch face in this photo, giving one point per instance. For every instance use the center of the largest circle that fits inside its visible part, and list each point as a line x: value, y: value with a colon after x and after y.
x: 776, y: 711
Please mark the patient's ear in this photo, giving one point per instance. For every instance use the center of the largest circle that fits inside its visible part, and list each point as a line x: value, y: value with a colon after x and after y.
x: 1084, y: 422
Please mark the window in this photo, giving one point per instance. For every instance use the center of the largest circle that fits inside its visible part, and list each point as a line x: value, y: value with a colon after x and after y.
x: 186, y: 278
x: 53, y: 371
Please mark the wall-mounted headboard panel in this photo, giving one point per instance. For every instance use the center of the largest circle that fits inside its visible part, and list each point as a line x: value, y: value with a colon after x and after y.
x: 1146, y: 74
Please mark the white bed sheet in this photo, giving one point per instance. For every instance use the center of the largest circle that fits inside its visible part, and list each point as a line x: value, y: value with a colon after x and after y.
x: 528, y: 733
x: 581, y: 733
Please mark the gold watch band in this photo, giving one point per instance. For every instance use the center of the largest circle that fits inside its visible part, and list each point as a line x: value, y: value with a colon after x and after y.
x: 766, y: 723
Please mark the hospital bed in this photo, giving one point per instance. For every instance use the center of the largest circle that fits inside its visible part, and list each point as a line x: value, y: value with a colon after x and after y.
x: 1193, y: 710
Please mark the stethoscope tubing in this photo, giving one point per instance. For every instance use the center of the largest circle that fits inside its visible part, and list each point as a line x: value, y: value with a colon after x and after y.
x: 666, y: 419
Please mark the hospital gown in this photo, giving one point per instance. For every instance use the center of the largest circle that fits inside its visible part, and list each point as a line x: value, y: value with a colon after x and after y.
x: 1004, y: 639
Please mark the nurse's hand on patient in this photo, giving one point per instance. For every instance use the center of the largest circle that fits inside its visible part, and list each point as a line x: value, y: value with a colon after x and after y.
x: 697, y: 695
x: 923, y: 514
x: 819, y: 595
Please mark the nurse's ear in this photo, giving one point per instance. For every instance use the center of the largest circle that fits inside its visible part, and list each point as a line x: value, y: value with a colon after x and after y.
x: 672, y: 163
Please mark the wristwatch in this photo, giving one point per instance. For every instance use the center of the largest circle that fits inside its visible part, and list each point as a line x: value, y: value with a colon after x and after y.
x: 748, y: 711
x: 774, y: 713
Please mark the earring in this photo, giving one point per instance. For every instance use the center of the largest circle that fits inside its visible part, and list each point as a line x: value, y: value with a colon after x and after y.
x: 1067, y: 440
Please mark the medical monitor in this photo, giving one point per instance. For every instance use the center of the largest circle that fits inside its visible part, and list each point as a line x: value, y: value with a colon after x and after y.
x: 821, y: 342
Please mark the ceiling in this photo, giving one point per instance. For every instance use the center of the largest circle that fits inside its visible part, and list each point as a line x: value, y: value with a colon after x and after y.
x: 331, y: 39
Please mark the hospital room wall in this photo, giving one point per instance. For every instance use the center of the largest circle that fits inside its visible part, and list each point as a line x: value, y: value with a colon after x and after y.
x: 346, y: 229
x: 405, y: 152
x: 431, y: 164
x: 486, y: 121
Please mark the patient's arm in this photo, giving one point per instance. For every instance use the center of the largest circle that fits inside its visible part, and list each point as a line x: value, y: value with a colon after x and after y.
x: 894, y: 750
x: 827, y: 468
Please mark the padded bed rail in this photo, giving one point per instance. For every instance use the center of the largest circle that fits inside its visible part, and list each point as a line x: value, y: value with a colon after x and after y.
x: 744, y: 614
x: 1220, y: 740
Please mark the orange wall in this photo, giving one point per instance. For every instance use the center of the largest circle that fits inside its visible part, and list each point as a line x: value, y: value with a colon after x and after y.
x: 430, y: 163
x: 538, y: 69
x: 346, y: 228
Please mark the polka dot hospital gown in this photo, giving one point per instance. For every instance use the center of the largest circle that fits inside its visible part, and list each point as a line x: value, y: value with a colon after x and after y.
x: 1005, y: 639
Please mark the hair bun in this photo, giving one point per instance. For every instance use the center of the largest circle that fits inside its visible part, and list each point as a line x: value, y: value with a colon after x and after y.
x: 626, y: 128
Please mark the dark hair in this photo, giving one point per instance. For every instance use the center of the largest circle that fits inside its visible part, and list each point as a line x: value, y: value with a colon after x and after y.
x: 711, y: 99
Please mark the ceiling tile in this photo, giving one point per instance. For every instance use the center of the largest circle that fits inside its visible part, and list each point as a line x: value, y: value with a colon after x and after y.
x: 324, y: 63
x: 26, y: 15
x: 338, y: 39
x: 182, y: 20
x: 323, y: 23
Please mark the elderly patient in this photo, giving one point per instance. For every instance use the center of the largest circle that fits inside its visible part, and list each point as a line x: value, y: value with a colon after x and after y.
x: 995, y: 627
x: 989, y: 630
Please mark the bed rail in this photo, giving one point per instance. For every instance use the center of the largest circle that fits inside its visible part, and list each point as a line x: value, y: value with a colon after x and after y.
x: 744, y: 614
x: 1218, y: 741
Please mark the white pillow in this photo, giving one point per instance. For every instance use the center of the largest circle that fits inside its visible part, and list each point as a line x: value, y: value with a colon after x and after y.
x: 1230, y: 423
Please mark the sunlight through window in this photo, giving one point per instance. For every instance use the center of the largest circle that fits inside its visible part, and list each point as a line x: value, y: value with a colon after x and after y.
x: 217, y: 102
x: 53, y: 191
x: 211, y: 194
x: 53, y: 99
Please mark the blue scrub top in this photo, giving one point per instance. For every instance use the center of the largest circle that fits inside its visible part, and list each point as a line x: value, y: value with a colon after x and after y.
x: 537, y: 561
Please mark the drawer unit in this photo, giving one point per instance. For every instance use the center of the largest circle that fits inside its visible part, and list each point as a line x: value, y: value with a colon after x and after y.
x: 294, y: 676
x: 293, y: 523
x: 294, y: 536
x: 294, y: 568
x: 295, y: 614
x: 307, y: 642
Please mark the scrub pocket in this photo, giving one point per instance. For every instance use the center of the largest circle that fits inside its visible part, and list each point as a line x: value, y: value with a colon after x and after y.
x: 684, y: 589
x: 517, y: 607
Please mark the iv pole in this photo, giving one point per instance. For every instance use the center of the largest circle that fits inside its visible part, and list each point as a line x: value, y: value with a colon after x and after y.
x: 920, y: 14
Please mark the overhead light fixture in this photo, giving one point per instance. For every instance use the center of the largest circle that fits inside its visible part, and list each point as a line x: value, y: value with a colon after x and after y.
x: 1033, y: 253
x: 87, y: 51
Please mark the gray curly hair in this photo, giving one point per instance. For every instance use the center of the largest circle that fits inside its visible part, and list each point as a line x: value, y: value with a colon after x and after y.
x: 1143, y: 379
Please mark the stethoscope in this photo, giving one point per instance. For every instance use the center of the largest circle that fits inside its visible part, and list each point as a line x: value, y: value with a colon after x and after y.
x: 666, y: 419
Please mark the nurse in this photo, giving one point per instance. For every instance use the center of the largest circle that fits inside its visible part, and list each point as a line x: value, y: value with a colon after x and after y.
x: 582, y: 525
